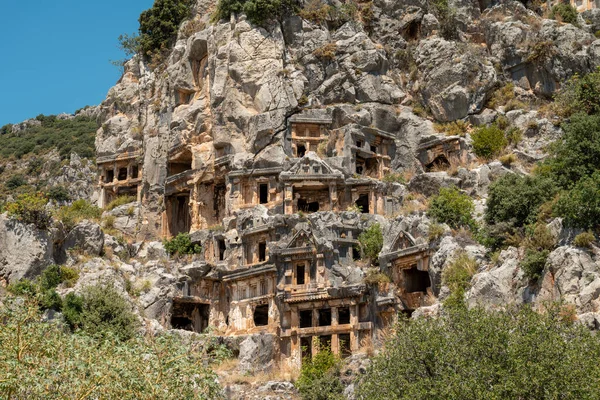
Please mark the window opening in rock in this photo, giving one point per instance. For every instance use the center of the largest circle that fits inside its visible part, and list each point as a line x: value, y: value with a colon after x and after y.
x: 190, y: 316
x: 415, y: 280
x: 263, y: 192
x: 300, y: 271
x: 135, y: 171
x: 355, y: 253
x: 343, y: 251
x: 110, y: 175
x: 222, y: 248
x: 343, y: 315
x: 373, y: 148
x: 325, y: 342
x: 306, y: 206
x: 261, y: 315
x: 359, y: 144
x: 325, y: 317
x: 300, y: 150
x: 306, y: 347
x: 363, y: 203
x: 345, y: 349
x: 440, y: 163
x: 122, y: 174
x: 305, y: 318
x: 262, y: 251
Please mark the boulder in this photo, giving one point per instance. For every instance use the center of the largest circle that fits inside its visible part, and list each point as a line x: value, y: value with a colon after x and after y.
x: 86, y: 236
x: 257, y: 353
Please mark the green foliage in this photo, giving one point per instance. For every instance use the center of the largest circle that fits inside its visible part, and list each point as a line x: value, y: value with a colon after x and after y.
x: 452, y: 207
x: 580, y: 94
x: 457, y: 276
x: 315, y: 11
x: 40, y: 360
x: 454, y: 128
x: 502, y: 96
x: 446, y: 16
x: 577, y: 153
x: 80, y: 209
x: 516, y: 199
x: 58, y: 193
x: 371, y: 242
x: 14, y: 182
x: 534, y: 262
x: 320, y: 377
x: 375, y: 277
x: 584, y: 239
x: 158, y: 26
x: 23, y: 287
x: 181, y: 244
x: 69, y: 135
x: 119, y: 201
x: 488, y: 141
x: 538, y: 244
x: 580, y: 206
x: 564, y: 12
x: 478, y: 354
x: 435, y: 231
x: 104, y: 313
x: 394, y: 177
x: 31, y: 209
x: 257, y: 11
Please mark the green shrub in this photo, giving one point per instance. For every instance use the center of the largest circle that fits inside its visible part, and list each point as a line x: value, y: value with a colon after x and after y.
x: 435, y: 231
x: 320, y: 377
x: 54, y: 275
x: 577, y: 153
x: 394, y: 177
x: 257, y: 11
x: 446, y: 16
x: 478, y: 354
x: 72, y: 310
x: 159, y: 25
x: 181, y: 244
x: 584, y: 239
x: 14, y: 182
x: 564, y: 12
x: 580, y: 206
x: 516, y: 199
x: 23, y: 287
x: 488, y: 141
x: 31, y: 209
x: 58, y: 193
x: 39, y: 360
x: 501, y: 96
x: 580, y: 94
x: 371, y: 242
x: 513, y: 136
x: 452, y: 207
x: 104, y: 312
x: 119, y: 201
x: 534, y: 262
x: 375, y: 277
x: 78, y: 211
x: 315, y: 11
x: 457, y: 276
x: 49, y: 299
x: 68, y: 135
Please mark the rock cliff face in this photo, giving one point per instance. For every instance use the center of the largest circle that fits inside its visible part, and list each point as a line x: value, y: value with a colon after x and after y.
x: 276, y: 146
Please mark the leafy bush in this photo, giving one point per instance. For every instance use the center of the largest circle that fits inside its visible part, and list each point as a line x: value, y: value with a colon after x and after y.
x: 446, y: 16
x: 119, y: 201
x: 39, y: 360
x: 371, y: 242
x: 452, y: 207
x: 580, y: 206
x: 23, y: 287
x: 159, y: 25
x: 58, y: 193
x: 457, y: 276
x: 564, y: 12
x: 488, y: 141
x: 80, y: 209
x: 14, y: 182
x: 181, y: 244
x: 478, y: 354
x: 320, y: 377
x: 257, y: 11
x: 577, y: 153
x: 502, y: 95
x: 66, y: 135
x: 435, y: 231
x: 516, y: 199
x: 54, y: 275
x: 30, y: 209
x: 538, y: 244
x: 580, y: 93
x: 315, y: 11
x: 534, y: 262
x: 584, y: 239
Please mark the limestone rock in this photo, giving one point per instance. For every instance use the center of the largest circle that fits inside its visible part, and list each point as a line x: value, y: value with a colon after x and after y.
x: 86, y: 236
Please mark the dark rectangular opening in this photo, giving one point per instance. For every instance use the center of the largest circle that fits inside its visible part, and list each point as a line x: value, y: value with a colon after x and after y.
x: 363, y: 203
x: 222, y: 248
x: 122, y: 174
x: 325, y: 342
x: 306, y: 347
x: 178, y: 214
x: 359, y: 144
x: 374, y: 149
x: 300, y: 150
x: 343, y: 252
x: 360, y: 168
x: 190, y: 316
x: 135, y: 170
x: 300, y: 272
x: 343, y: 315
x: 305, y: 206
x: 415, y: 280
x: 305, y: 318
x: 110, y: 176
x: 261, y: 315
x: 345, y: 349
x: 355, y: 253
x: 262, y: 251
x: 263, y: 193
x: 325, y: 317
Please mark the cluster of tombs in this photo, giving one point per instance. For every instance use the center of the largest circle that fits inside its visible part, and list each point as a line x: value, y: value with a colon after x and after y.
x: 265, y: 283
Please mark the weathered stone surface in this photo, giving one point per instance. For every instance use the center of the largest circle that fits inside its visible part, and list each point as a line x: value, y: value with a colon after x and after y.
x: 86, y: 236
x: 257, y: 353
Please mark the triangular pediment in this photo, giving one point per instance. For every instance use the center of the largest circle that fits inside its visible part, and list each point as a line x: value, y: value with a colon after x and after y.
x: 302, y: 238
x: 312, y: 164
x: 404, y: 240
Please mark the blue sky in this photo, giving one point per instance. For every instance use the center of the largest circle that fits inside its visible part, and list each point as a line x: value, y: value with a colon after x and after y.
x: 54, y: 55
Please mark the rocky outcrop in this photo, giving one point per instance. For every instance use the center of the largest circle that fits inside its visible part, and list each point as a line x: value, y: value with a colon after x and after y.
x: 86, y: 236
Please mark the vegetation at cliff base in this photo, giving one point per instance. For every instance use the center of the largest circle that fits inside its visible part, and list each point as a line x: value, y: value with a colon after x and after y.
x: 181, y: 244
x: 478, y: 354
x: 320, y: 377
x: 371, y: 242
x: 75, y: 135
x: 452, y: 207
x: 40, y: 360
